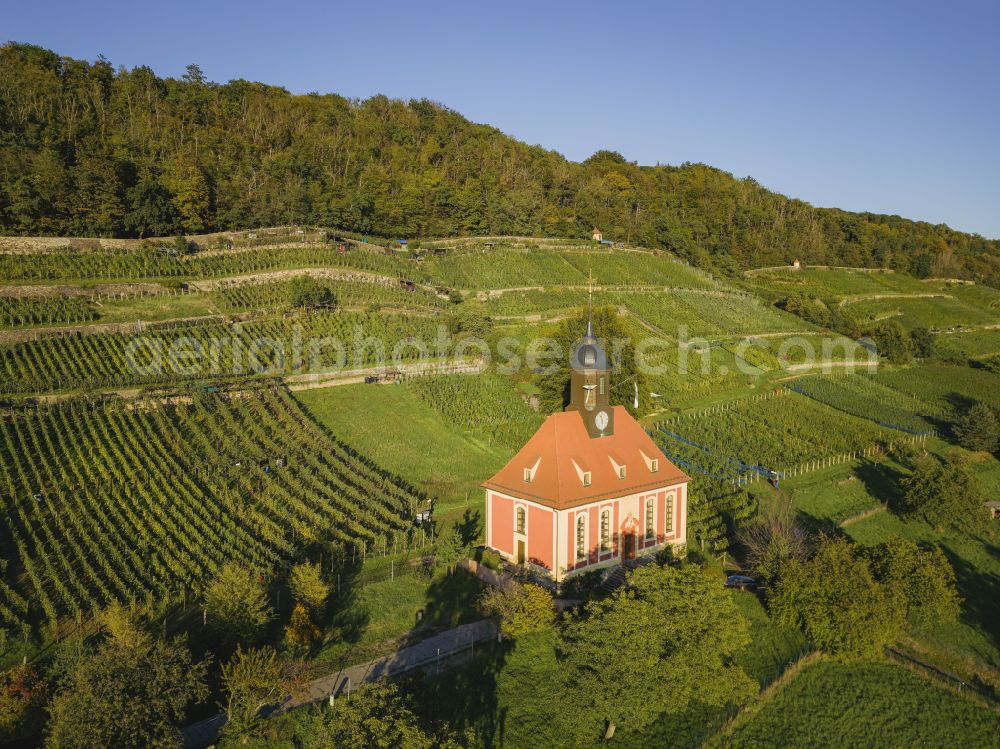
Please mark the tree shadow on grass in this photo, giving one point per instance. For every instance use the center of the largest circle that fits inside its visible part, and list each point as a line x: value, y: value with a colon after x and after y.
x: 981, y: 593
x: 346, y: 617
x: 882, y: 481
x: 468, y: 527
x: 465, y: 695
x: 451, y: 599
x: 816, y: 524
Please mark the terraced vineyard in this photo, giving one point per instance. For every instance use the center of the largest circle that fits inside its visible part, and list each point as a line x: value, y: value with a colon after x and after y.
x: 707, y: 314
x: 528, y: 303
x: 499, y: 268
x: 485, y: 403
x: 772, y: 434
x: 639, y: 269
x: 15, y: 311
x: 831, y: 285
x: 866, y: 398
x: 924, y: 312
x: 975, y: 346
x: 277, y: 295
x: 950, y: 388
x: 142, y: 502
x: 122, y: 359
x: 139, y: 264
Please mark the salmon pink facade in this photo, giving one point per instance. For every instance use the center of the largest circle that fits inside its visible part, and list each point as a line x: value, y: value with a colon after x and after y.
x: 590, y: 489
x: 590, y: 536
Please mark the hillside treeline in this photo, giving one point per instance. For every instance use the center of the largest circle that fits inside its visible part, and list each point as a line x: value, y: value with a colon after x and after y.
x: 88, y: 150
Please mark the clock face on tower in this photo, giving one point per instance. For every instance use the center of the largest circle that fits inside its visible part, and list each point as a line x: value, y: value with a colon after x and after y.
x: 601, y: 420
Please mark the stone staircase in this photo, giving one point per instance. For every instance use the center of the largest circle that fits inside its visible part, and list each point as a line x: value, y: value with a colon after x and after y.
x: 613, y: 579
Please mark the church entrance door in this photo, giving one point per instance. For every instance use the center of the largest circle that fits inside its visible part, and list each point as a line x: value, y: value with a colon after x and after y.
x: 629, y: 546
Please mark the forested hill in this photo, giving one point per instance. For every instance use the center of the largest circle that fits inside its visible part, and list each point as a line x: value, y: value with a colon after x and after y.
x: 89, y: 150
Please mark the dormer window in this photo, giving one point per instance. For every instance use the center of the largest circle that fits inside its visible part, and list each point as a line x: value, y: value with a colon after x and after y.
x: 586, y: 478
x: 529, y: 473
x: 653, y: 464
x: 619, y: 468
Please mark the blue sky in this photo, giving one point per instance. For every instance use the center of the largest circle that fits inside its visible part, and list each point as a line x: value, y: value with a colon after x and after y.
x: 892, y: 107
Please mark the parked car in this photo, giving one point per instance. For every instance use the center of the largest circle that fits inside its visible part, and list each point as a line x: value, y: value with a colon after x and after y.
x: 741, y: 582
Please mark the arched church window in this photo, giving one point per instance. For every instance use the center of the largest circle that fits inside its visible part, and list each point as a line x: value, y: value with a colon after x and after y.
x: 581, y: 537
x: 520, y: 520
x: 606, y: 530
x: 650, y: 517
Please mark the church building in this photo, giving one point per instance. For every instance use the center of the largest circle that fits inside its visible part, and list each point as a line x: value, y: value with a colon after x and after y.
x: 590, y: 489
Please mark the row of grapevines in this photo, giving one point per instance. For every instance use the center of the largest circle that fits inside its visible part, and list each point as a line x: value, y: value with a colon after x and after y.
x: 865, y: 397
x: 775, y: 433
x: 265, y: 346
x: 45, y: 310
x: 148, y: 263
x: 488, y: 404
x: 950, y: 388
x: 278, y: 295
x: 142, y: 502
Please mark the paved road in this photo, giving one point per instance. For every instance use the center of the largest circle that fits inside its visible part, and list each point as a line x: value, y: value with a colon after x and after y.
x: 430, y: 653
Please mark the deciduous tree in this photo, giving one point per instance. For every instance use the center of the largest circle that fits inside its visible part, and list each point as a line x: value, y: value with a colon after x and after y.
x: 923, y: 576
x: 252, y: 680
x: 308, y: 587
x: 236, y: 604
x: 834, y: 599
x: 300, y: 631
x: 658, y: 644
x: 132, y: 692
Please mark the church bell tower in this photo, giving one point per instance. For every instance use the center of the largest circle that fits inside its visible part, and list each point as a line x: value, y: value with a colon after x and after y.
x: 590, y: 381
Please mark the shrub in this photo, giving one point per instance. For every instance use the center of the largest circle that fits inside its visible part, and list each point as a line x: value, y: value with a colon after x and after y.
x: 922, y: 342
x: 181, y: 245
x: 519, y: 608
x: 300, y: 631
x: 924, y: 577
x: 834, y: 599
x: 306, y: 292
x: 236, y: 605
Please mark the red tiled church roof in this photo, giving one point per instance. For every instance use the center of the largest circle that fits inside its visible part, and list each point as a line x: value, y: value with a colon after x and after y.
x: 561, y: 449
